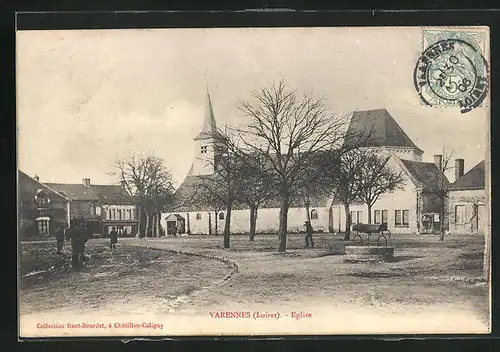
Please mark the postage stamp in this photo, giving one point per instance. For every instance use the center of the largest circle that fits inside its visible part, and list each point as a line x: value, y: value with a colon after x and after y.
x: 452, y: 70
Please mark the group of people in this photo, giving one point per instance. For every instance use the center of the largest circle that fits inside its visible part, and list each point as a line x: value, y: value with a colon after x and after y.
x: 78, y: 234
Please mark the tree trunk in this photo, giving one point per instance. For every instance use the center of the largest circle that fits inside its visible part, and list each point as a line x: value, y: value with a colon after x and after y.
x: 347, y: 235
x: 227, y: 226
x: 253, y: 222
x: 146, y: 230
x: 158, y: 223
x: 369, y: 213
x: 139, y: 222
x: 308, y: 217
x: 155, y: 225
x: 216, y: 222
x: 283, y: 229
x: 441, y: 220
x: 209, y: 223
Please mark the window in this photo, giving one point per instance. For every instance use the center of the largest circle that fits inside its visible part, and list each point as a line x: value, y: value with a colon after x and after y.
x: 221, y: 216
x: 406, y: 215
x: 42, y: 200
x: 384, y: 217
x: 314, y: 214
x: 92, y: 209
x: 198, y: 216
x: 459, y: 214
x: 359, y: 217
x: 43, y: 227
x: 114, y: 214
x: 120, y: 215
x: 353, y: 217
x: 401, y: 218
x: 204, y: 149
x: 397, y: 218
x: 376, y: 217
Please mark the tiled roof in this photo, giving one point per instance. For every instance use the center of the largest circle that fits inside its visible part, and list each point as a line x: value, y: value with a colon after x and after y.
x: 186, y: 198
x: 473, y: 179
x: 427, y: 175
x: 105, y: 193
x: 48, y: 189
x: 386, y: 130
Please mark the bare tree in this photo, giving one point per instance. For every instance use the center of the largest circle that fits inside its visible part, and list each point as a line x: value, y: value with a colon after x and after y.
x: 225, y: 184
x: 256, y: 189
x: 443, y: 190
x: 208, y: 195
x: 341, y: 172
x: 148, y: 183
x: 376, y: 178
x: 285, y: 129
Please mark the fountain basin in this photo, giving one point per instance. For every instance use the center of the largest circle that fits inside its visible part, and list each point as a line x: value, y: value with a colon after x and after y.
x: 368, y: 254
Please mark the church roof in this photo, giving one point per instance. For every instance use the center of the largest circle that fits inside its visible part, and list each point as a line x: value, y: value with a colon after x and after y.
x: 473, y: 179
x: 386, y: 130
x: 187, y: 199
x: 209, y: 124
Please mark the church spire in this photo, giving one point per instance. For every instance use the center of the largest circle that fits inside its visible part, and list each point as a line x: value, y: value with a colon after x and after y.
x: 209, y: 124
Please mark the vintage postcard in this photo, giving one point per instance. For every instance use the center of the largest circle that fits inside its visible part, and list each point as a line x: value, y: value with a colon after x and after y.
x: 253, y: 181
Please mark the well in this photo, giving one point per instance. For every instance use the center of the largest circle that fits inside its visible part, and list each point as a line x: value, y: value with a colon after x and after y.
x: 368, y: 254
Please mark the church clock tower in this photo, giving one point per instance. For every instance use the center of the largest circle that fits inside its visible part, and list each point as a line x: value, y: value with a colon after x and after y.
x: 205, y: 151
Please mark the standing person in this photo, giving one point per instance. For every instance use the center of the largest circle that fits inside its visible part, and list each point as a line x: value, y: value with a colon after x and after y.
x: 60, y: 234
x: 75, y: 245
x: 309, y: 234
x: 83, y: 236
x: 175, y: 230
x: 113, y: 236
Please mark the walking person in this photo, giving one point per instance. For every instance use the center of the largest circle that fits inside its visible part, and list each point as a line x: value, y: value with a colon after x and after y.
x: 113, y: 236
x: 60, y: 234
x: 309, y: 234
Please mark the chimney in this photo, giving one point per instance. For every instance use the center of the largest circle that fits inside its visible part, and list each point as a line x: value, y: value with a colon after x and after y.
x: 123, y: 184
x: 36, y: 177
x: 86, y: 182
x: 459, y: 168
x: 438, y: 160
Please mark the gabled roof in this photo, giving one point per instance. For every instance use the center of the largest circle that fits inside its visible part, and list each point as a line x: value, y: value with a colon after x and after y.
x: 48, y: 189
x: 175, y: 216
x: 105, y: 193
x: 386, y: 130
x: 209, y: 124
x: 473, y: 179
x: 425, y: 175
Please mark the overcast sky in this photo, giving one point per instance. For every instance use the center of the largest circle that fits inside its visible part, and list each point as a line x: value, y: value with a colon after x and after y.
x: 86, y: 97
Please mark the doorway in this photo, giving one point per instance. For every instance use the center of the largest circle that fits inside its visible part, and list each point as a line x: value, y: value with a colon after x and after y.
x: 481, y: 218
x: 171, y: 227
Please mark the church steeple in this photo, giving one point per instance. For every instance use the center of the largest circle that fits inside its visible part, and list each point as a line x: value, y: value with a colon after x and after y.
x: 206, y: 152
x: 209, y: 124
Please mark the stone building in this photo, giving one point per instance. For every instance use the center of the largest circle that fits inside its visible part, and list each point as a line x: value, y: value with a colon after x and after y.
x: 41, y: 209
x: 101, y: 206
x: 467, y: 200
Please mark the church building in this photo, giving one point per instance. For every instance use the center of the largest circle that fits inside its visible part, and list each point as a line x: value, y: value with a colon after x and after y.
x: 405, y: 210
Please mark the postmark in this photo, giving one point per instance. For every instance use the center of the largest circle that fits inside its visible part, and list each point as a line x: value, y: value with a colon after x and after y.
x: 452, y: 72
